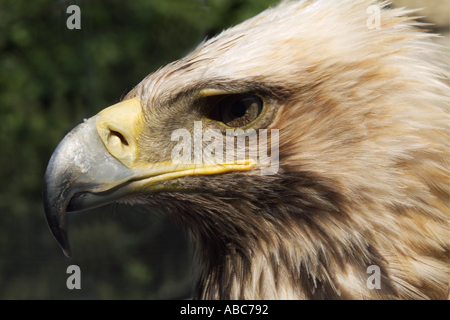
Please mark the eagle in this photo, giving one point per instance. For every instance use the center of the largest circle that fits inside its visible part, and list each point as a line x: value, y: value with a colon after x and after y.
x: 305, y: 152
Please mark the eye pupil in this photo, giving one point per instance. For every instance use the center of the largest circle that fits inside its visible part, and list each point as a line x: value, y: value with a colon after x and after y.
x: 238, y: 109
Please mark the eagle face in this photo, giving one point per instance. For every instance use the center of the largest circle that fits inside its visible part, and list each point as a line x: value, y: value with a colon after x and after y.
x: 356, y: 124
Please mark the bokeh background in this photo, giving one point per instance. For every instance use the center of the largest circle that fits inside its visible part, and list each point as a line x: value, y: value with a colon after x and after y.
x: 50, y: 79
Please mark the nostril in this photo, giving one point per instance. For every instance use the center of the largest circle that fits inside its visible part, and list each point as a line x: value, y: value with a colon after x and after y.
x: 118, y: 136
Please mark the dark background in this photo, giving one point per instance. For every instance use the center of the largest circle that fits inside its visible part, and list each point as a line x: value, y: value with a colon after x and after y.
x: 50, y: 79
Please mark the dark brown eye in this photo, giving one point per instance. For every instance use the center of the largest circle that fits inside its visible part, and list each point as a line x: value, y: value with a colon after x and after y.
x: 238, y: 110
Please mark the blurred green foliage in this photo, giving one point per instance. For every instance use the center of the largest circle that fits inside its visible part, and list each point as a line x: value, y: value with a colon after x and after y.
x: 50, y: 79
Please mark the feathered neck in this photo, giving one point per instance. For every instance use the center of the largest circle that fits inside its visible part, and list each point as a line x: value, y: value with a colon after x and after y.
x: 274, y: 242
x: 295, y: 236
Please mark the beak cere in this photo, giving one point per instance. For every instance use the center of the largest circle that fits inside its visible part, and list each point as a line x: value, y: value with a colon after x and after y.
x: 98, y: 163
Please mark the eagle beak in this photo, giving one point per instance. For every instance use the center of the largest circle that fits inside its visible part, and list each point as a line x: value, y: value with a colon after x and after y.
x: 81, y: 164
x: 98, y: 163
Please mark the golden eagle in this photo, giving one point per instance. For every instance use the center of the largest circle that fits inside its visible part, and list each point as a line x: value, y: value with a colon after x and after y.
x: 353, y: 121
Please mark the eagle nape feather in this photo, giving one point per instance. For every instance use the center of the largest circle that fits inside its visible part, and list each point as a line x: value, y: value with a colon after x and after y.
x: 355, y: 119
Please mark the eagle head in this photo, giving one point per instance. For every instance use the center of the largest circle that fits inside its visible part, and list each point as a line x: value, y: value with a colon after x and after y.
x: 299, y: 150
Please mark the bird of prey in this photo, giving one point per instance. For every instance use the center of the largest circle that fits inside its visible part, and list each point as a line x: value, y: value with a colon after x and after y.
x: 348, y: 101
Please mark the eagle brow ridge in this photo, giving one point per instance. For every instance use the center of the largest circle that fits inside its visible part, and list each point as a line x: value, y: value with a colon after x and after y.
x: 230, y: 86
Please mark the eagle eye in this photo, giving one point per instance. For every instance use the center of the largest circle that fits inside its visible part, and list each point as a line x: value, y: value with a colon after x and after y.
x: 238, y: 110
